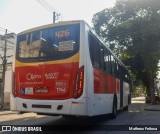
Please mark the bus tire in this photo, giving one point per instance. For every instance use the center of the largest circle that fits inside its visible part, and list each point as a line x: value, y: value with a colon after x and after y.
x: 114, y: 109
x: 69, y: 116
x: 125, y: 108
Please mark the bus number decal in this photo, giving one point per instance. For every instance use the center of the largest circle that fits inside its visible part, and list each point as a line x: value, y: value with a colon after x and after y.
x: 61, y: 86
x: 62, y: 33
x: 61, y: 90
x: 51, y: 75
x: 62, y: 83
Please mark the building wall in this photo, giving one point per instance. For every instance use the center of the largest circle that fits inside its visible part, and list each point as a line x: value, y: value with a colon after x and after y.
x: 8, y: 85
x: 8, y: 74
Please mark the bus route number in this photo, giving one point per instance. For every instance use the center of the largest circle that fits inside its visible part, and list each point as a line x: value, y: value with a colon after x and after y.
x: 62, y: 33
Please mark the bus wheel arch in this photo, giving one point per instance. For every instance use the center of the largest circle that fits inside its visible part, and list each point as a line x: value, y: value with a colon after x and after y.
x: 114, y: 107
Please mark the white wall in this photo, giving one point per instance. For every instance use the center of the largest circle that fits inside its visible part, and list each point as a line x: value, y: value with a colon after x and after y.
x: 8, y: 81
x: 8, y: 74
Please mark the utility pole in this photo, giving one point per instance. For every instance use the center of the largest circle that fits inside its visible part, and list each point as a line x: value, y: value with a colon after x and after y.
x: 55, y: 16
x: 50, y: 9
x: 4, y: 62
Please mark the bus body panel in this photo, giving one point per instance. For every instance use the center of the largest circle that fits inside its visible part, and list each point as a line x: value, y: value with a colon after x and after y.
x: 105, y: 87
x: 125, y: 94
x: 102, y: 104
x: 89, y: 75
x: 48, y: 81
x: 67, y: 107
x: 105, y: 83
x: 98, y: 85
x: 58, y: 81
x: 44, y: 106
x: 80, y: 107
x: 39, y: 75
x: 118, y: 101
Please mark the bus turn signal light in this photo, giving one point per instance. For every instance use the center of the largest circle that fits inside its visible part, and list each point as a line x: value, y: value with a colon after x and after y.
x: 79, y: 83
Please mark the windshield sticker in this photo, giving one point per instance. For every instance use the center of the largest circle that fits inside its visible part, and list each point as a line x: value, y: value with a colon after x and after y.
x: 66, y: 45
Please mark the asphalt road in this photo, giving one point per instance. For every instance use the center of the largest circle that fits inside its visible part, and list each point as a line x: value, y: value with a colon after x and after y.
x: 134, y: 117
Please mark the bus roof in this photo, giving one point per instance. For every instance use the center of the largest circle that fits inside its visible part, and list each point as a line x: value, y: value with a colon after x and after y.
x: 70, y: 23
x: 51, y: 25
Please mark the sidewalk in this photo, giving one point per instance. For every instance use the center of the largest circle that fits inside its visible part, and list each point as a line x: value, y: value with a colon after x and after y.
x: 6, y: 112
x: 5, y: 108
x: 149, y: 107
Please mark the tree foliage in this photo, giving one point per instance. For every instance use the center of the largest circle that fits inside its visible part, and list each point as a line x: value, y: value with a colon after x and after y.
x: 132, y: 30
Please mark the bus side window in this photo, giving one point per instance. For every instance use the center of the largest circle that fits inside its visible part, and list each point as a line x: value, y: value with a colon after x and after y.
x: 110, y: 65
x: 114, y: 66
x: 102, y: 58
x: 96, y: 53
x: 106, y: 60
x: 122, y: 73
x: 116, y: 69
x: 91, y: 47
x: 94, y: 50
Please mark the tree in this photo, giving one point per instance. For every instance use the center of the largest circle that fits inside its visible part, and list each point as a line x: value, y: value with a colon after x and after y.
x: 131, y: 30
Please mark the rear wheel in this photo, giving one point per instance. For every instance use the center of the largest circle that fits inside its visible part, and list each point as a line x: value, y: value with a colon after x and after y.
x: 69, y: 116
x: 125, y: 108
x: 114, y: 109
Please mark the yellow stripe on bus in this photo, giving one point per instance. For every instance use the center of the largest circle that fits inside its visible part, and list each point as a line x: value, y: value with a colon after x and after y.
x: 74, y: 58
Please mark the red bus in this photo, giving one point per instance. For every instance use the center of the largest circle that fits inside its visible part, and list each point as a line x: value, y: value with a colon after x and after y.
x: 65, y: 69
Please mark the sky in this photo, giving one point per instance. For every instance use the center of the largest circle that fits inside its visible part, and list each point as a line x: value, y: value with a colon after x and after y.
x: 19, y: 15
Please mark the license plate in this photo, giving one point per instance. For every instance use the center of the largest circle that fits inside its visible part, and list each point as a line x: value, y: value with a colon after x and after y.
x: 29, y: 90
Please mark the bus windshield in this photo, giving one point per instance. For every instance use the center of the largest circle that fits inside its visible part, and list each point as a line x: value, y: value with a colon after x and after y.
x: 50, y: 42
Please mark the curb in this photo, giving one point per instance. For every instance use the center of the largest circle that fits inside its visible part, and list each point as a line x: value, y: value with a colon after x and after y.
x: 5, y: 109
x: 152, y: 109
